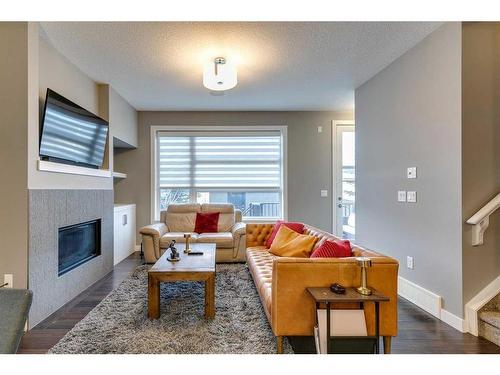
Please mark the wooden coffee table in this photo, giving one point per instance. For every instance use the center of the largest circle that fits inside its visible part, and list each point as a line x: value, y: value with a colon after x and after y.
x: 188, y: 268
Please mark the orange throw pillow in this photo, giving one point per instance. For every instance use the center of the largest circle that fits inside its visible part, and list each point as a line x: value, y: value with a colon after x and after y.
x: 289, y: 243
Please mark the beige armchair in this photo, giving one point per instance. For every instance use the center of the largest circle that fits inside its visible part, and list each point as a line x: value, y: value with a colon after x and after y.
x: 179, y: 219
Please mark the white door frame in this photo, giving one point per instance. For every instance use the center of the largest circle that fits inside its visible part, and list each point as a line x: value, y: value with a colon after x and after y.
x: 336, y: 159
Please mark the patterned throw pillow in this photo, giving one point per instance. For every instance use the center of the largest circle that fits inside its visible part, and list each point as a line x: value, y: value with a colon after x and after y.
x: 333, y: 249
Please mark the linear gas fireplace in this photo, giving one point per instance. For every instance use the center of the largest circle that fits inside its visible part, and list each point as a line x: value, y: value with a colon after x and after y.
x: 78, y: 244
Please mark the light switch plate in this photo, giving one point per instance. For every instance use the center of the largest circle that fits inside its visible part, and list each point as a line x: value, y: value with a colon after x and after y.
x: 411, y: 172
x: 402, y: 196
x: 411, y: 196
x: 324, y: 193
x: 409, y: 262
x: 320, y: 129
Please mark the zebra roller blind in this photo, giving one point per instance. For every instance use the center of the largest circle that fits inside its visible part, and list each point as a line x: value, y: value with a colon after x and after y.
x: 226, y: 161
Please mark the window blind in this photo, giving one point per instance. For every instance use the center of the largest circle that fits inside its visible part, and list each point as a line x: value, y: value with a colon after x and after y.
x: 219, y: 161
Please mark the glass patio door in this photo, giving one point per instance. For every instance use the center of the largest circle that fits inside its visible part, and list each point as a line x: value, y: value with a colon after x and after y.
x: 345, y: 177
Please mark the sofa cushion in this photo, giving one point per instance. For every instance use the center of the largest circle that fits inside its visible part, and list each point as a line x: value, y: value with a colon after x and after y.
x: 226, y: 217
x: 181, y: 217
x: 333, y: 249
x: 289, y: 243
x: 177, y: 236
x: 297, y: 227
x: 260, y: 264
x: 223, y: 240
x: 206, y: 222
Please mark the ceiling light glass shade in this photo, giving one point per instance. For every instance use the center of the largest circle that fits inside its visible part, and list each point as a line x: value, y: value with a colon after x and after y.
x: 219, y: 75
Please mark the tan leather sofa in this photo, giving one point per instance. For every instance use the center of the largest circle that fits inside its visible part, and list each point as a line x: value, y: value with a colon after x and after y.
x: 282, y: 282
x: 181, y: 218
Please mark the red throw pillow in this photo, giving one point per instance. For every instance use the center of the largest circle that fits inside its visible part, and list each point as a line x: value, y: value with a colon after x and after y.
x: 206, y: 222
x: 333, y: 249
x: 296, y: 227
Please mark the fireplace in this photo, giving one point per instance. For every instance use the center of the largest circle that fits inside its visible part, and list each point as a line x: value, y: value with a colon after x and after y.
x: 78, y: 244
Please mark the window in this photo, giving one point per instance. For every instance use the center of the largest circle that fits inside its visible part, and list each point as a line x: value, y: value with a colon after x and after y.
x: 244, y: 168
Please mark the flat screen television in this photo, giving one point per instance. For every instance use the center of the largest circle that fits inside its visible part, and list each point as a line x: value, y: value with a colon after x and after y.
x: 70, y: 134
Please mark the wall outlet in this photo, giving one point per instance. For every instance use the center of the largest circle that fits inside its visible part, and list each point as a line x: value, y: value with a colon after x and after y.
x: 409, y: 262
x: 324, y: 193
x: 411, y: 196
x: 411, y: 172
x: 320, y: 129
x: 8, y: 279
x: 402, y: 196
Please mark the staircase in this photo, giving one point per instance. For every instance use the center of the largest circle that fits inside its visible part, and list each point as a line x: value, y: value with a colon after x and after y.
x: 489, y: 321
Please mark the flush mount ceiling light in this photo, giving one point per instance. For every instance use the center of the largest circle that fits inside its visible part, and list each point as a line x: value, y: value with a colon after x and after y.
x: 219, y: 75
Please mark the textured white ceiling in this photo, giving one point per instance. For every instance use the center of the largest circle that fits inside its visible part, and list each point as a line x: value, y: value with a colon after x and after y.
x: 281, y: 65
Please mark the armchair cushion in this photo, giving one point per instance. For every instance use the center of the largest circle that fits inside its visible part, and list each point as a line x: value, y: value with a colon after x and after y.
x: 223, y: 240
x: 182, y: 217
x: 177, y: 236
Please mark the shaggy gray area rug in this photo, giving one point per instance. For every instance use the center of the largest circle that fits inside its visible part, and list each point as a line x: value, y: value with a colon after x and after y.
x: 119, y: 324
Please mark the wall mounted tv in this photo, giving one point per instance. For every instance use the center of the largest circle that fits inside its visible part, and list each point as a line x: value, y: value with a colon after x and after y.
x: 70, y: 134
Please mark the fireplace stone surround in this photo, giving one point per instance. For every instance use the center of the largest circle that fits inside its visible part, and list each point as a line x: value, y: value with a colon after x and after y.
x: 50, y: 210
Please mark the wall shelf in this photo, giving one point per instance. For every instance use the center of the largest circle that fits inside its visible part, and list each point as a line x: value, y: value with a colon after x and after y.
x: 119, y: 175
x: 49, y: 166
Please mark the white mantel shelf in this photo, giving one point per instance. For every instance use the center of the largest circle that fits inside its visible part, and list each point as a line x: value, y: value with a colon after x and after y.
x: 49, y: 166
x: 119, y: 175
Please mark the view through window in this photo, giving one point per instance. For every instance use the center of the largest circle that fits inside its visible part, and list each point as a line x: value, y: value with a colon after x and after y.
x: 244, y: 169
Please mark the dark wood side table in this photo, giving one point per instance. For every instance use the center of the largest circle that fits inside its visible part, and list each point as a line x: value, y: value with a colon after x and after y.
x: 327, y: 297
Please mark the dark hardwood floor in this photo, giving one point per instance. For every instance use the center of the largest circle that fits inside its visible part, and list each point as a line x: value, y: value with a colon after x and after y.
x: 419, y: 332
x: 47, y: 333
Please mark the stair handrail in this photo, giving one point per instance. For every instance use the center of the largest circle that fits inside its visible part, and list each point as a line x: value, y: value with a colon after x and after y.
x: 481, y: 219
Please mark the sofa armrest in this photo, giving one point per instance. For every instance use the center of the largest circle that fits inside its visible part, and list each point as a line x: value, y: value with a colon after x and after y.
x: 290, y: 299
x: 155, y: 230
x: 239, y: 229
x: 239, y: 232
x: 151, y: 235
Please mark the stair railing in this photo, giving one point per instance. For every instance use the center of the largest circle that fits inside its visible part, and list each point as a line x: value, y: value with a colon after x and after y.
x: 481, y: 219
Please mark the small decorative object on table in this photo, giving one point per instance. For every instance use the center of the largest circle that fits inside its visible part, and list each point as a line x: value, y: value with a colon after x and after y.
x: 337, y: 288
x: 187, y: 237
x: 364, y: 263
x: 174, y: 254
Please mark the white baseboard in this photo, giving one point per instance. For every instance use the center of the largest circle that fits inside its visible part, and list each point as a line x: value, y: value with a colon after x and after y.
x: 430, y: 302
x: 476, y: 303
x: 458, y: 323
x: 419, y: 296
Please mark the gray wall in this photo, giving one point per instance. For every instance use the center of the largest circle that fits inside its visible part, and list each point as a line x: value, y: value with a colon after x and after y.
x: 50, y: 210
x: 309, y: 159
x: 480, y: 149
x: 409, y: 114
x: 123, y: 118
x: 58, y: 199
x: 13, y: 151
x: 56, y: 72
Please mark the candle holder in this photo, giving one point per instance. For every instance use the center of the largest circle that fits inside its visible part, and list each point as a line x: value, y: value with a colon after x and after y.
x: 187, y: 238
x: 364, y: 263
